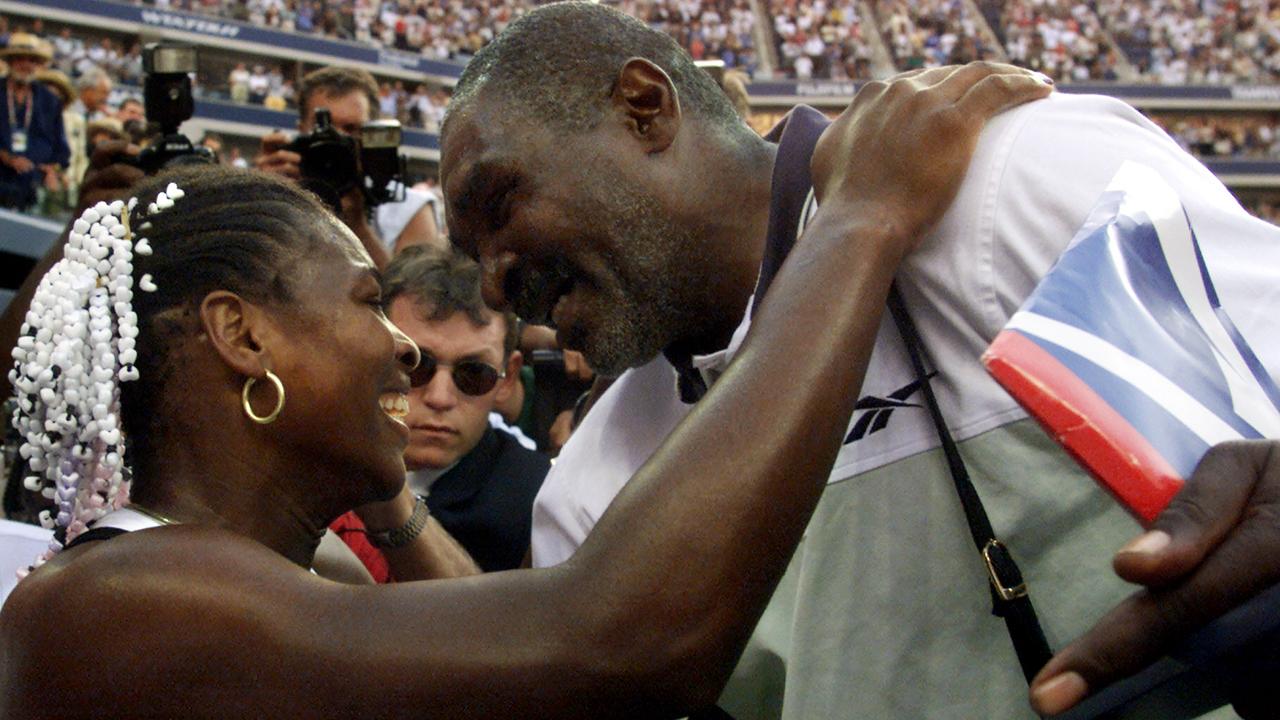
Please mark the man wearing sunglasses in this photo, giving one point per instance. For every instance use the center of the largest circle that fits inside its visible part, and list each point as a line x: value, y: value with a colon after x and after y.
x: 478, y: 481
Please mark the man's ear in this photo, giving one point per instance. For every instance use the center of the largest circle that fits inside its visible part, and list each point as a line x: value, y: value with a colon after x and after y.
x: 235, y: 328
x: 646, y: 97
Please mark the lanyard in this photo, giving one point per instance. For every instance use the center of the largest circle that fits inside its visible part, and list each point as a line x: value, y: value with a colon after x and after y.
x: 13, y: 120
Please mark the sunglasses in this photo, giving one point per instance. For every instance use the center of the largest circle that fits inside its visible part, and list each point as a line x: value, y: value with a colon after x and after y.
x: 471, y: 377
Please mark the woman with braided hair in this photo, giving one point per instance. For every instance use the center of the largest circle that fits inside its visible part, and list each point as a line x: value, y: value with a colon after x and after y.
x: 221, y: 336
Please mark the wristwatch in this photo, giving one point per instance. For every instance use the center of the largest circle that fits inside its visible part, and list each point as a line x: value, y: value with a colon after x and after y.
x: 403, y: 535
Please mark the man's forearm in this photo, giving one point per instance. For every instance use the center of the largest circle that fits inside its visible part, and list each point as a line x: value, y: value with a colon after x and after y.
x: 368, y: 237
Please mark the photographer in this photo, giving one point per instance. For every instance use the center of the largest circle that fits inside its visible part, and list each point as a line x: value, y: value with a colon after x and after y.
x: 350, y: 95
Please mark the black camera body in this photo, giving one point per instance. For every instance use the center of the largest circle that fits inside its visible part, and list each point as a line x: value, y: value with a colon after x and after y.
x: 169, y: 103
x: 333, y: 163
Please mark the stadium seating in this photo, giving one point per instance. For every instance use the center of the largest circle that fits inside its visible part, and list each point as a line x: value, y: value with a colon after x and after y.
x: 1144, y: 43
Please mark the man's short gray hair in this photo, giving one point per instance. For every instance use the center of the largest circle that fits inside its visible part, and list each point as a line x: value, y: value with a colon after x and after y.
x: 92, y: 78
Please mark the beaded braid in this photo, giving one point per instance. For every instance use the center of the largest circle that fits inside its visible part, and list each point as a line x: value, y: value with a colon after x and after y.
x: 78, y: 345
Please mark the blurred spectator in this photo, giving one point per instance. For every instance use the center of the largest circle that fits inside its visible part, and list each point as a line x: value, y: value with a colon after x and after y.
x: 479, y: 481
x: 33, y: 143
x: 104, y: 130
x: 1266, y: 208
x: 259, y: 84
x: 131, y: 109
x: 734, y: 85
x: 388, y: 106
x: 58, y: 83
x: 213, y: 142
x: 235, y: 159
x: 238, y: 83
x: 93, y: 88
x: 73, y: 127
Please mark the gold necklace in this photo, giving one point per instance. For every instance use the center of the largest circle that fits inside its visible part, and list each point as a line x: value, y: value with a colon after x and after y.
x: 162, y: 519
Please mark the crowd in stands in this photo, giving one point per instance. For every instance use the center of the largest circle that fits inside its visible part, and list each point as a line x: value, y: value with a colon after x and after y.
x: 1168, y: 41
x: 820, y: 39
x: 929, y: 33
x: 75, y: 54
x: 260, y: 86
x: 1267, y: 208
x: 708, y: 29
x: 1063, y: 39
x: 1178, y: 42
x: 1224, y: 136
x: 423, y: 107
x: 456, y: 30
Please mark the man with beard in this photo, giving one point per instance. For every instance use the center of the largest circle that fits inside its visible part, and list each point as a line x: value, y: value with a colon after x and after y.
x: 606, y: 184
x: 33, y: 146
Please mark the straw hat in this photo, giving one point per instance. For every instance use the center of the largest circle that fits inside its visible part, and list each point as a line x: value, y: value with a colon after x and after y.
x: 27, y: 45
x: 58, y: 82
x: 107, y: 125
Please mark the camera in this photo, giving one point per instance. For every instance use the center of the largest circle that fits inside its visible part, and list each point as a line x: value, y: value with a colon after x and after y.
x: 333, y: 163
x: 168, y: 102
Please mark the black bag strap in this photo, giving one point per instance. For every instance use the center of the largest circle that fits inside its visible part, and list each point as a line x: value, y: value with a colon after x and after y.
x: 1009, y: 598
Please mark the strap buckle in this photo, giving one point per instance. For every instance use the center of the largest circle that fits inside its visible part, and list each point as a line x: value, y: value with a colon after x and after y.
x: 1002, y: 589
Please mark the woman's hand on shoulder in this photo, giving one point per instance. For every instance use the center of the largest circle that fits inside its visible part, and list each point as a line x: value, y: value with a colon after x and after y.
x: 897, y: 154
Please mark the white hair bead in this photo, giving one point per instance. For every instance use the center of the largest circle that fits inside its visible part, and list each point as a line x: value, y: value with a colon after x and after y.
x: 142, y: 247
x: 146, y: 284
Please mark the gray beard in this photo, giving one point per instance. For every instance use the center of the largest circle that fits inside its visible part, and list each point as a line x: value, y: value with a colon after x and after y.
x: 649, y: 313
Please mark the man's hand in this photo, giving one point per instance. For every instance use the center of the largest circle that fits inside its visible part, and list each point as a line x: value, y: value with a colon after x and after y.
x: 273, y: 158
x: 576, y: 366
x: 902, y: 147
x: 1214, y: 547
x: 53, y: 180
x: 20, y: 164
x: 107, y: 178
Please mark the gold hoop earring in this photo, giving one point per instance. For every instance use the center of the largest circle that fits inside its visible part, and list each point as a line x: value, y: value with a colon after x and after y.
x: 248, y: 409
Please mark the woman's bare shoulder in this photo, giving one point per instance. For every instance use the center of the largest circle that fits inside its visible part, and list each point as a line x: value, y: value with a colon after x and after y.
x: 171, y: 602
